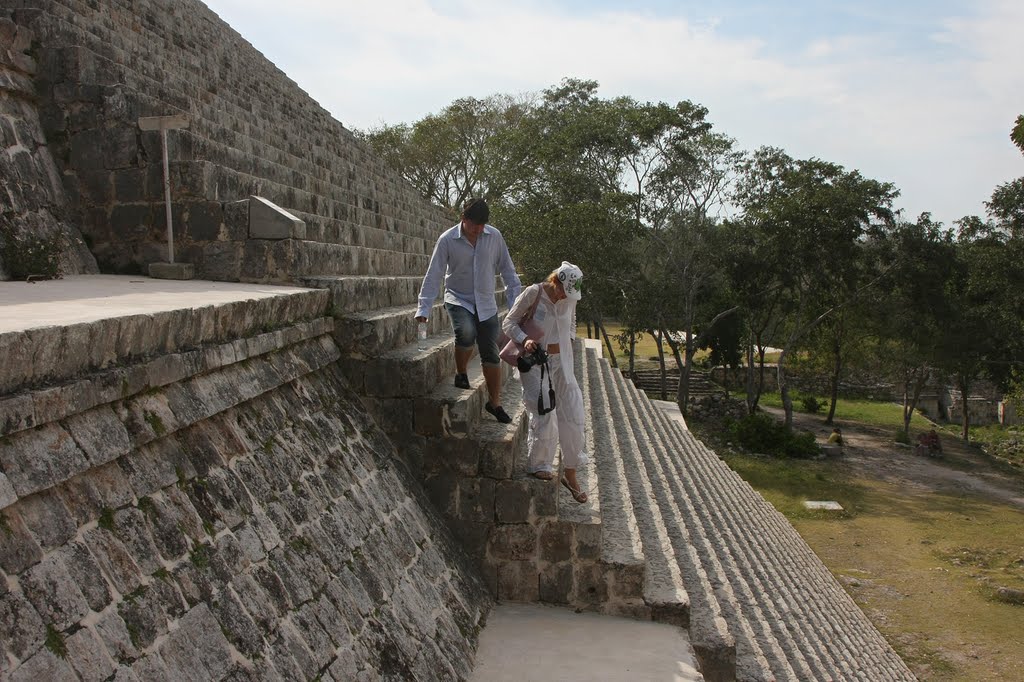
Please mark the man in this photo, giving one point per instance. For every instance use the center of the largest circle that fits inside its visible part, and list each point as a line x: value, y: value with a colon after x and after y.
x: 469, y: 255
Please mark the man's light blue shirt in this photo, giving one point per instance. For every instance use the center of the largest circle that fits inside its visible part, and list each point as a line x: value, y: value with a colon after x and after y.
x: 469, y: 272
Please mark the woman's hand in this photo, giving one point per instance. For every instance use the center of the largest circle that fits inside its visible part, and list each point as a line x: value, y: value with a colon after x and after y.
x: 530, y: 345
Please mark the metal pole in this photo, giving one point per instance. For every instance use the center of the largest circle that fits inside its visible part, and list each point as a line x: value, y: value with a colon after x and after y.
x: 167, y: 196
x: 163, y: 124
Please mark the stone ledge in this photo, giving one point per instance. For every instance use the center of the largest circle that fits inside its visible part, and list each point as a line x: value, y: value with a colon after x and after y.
x: 65, y: 329
x: 37, y: 459
x: 35, y: 408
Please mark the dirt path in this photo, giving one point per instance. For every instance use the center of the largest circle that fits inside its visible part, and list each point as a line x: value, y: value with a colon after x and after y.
x: 871, y: 451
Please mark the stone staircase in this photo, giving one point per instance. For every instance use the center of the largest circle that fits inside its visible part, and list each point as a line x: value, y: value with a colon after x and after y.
x: 649, y: 380
x: 759, y: 604
x: 670, y: 532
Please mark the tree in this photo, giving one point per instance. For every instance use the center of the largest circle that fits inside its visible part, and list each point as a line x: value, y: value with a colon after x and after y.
x: 814, y: 215
x: 466, y: 150
x: 908, y: 323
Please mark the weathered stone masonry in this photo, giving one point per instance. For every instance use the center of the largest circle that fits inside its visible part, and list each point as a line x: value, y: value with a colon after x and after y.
x: 220, y: 508
x: 33, y: 206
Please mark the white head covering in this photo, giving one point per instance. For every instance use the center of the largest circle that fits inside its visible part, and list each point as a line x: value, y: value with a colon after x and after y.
x: 571, y: 278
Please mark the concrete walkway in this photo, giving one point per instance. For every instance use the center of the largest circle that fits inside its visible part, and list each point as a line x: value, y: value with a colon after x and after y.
x: 537, y: 643
x: 88, y: 298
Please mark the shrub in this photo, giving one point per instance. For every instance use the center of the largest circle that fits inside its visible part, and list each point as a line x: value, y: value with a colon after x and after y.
x: 811, y: 404
x: 901, y: 436
x: 761, y: 432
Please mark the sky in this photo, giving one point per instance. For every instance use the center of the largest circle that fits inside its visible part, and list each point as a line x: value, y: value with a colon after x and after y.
x: 919, y: 93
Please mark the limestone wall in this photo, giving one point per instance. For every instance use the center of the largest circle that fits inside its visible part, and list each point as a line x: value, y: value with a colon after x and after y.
x: 199, y: 495
x: 102, y: 66
x: 35, y: 238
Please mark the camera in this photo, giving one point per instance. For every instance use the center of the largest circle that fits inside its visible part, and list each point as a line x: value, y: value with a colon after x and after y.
x: 527, y: 360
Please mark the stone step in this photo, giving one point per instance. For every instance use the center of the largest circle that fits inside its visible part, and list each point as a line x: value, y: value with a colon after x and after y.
x: 403, y: 372
x: 785, y: 576
x: 715, y: 585
x: 673, y: 565
x: 474, y: 484
x: 373, y: 332
x: 359, y: 293
x: 622, y: 550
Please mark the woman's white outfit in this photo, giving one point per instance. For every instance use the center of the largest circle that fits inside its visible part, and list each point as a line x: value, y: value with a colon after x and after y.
x: 564, y: 426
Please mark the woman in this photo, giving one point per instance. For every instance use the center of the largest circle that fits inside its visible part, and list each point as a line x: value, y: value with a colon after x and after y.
x: 555, y: 314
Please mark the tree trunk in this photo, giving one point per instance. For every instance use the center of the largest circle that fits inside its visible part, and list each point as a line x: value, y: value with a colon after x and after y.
x: 683, y: 387
x: 787, y: 402
x: 590, y: 335
x: 964, y: 384
x: 837, y: 370
x: 919, y: 375
x: 751, y: 398
x: 599, y: 327
x: 632, y: 353
x: 661, y: 365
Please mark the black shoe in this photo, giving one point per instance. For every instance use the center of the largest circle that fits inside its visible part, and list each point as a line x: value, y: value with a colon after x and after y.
x: 499, y: 413
x: 461, y: 381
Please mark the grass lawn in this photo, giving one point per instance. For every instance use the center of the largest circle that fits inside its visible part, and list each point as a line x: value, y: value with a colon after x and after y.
x: 881, y: 414
x: 646, y: 348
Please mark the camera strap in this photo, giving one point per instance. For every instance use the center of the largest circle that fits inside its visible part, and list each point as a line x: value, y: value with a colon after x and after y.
x: 551, y: 391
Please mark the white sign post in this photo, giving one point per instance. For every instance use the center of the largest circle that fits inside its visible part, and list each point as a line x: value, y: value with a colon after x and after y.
x: 163, y: 124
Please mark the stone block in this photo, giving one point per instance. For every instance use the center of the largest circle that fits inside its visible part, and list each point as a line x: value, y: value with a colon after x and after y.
x: 16, y: 413
x: 155, y: 466
x: 200, y: 221
x: 512, y: 501
x: 131, y: 186
x: 88, y: 656
x: 130, y: 526
x: 588, y: 541
x: 237, y: 625
x: 37, y: 459
x: 516, y: 542
x: 476, y: 499
x: 591, y: 585
x: 112, y: 629
x: 87, y: 494
x: 518, y: 581
x: 44, y: 665
x: 269, y: 221
x: 556, y: 541
x: 459, y: 456
x: 21, y: 629
x: 555, y: 584
x: 197, y: 648
x: 99, y: 433
x: 7, y: 494
x: 313, y: 634
x: 53, y: 593
x: 48, y: 519
x: 222, y: 260
x: 496, y: 461
x: 172, y: 271
x: 17, y: 349
x: 87, y: 575
x: 627, y: 582
x: 115, y: 560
